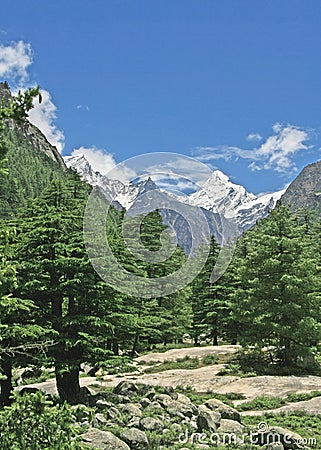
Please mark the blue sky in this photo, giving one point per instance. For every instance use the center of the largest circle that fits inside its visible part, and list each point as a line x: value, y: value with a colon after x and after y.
x: 236, y: 83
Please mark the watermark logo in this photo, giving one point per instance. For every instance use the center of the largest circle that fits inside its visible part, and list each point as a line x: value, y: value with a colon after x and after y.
x: 185, y: 223
x: 264, y: 434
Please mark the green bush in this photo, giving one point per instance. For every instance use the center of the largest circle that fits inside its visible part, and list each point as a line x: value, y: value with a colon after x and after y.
x: 33, y: 423
x: 209, y: 360
x: 262, y: 402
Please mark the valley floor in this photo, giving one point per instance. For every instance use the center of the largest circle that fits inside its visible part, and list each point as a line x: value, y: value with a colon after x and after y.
x: 206, y: 380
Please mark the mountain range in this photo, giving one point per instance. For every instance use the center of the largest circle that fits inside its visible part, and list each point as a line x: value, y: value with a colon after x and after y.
x: 218, y: 195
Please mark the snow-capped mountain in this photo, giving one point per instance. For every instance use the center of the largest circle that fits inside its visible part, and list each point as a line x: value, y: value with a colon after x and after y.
x: 218, y: 195
x: 120, y: 194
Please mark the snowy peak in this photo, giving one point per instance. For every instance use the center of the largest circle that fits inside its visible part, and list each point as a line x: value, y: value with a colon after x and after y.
x: 219, y: 194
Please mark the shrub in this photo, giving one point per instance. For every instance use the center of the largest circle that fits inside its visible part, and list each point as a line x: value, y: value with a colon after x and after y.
x: 34, y: 423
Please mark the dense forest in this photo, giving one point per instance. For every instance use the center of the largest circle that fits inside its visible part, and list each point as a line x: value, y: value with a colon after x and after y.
x: 56, y: 312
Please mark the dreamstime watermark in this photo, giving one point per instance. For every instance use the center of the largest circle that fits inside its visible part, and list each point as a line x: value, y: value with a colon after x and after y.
x: 187, y: 225
x: 262, y: 435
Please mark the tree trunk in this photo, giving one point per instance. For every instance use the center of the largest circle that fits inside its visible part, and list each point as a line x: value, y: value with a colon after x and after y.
x: 115, y: 347
x: 6, y: 384
x: 215, y: 339
x: 68, y: 385
x: 135, y: 345
x: 287, y: 354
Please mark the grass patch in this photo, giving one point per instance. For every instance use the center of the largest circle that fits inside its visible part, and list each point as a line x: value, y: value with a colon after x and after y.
x: 306, y: 425
x: 262, y: 402
x: 303, y: 396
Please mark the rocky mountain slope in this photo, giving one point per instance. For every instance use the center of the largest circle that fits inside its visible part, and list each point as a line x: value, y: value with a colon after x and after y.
x: 305, y: 189
x: 32, y: 135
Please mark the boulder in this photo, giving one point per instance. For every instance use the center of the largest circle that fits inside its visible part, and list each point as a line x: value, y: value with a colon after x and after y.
x: 134, y: 422
x: 135, y: 438
x: 182, y: 410
x: 103, y: 405
x: 227, y: 412
x: 208, y: 420
x: 113, y: 413
x: 151, y: 424
x: 125, y: 388
x: 130, y: 409
x: 100, y: 419
x: 276, y: 446
x: 163, y: 399
x: 103, y: 440
x: 229, y: 426
x: 85, y: 395
x: 145, y: 402
x: 155, y: 408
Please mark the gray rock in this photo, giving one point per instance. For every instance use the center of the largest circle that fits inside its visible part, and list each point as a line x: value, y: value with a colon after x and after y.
x: 131, y: 409
x: 134, y: 422
x: 102, y: 405
x: 154, y: 407
x: 276, y: 446
x: 146, y: 391
x: 135, y: 438
x: 85, y: 395
x: 163, y: 399
x: 227, y: 412
x: 145, y: 402
x: 182, y: 410
x: 230, y: 427
x: 151, y: 424
x: 126, y: 388
x: 113, y: 413
x: 183, y: 399
x: 103, y: 440
x: 100, y: 419
x: 208, y: 420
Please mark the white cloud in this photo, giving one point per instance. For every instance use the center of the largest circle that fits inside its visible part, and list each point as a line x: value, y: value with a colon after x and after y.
x: 43, y: 116
x: 82, y: 107
x: 276, y: 153
x: 105, y: 163
x: 180, y: 167
x: 15, y: 59
x: 254, y: 137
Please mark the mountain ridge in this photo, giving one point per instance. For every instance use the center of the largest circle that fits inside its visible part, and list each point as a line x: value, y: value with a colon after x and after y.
x: 217, y: 195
